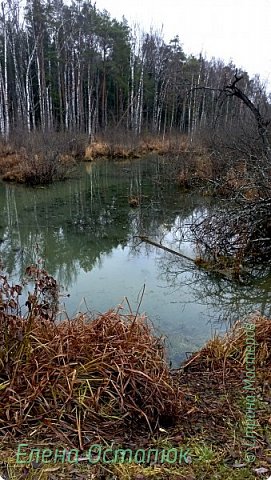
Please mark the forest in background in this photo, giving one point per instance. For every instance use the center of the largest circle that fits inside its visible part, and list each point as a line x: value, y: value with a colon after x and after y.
x: 73, y: 68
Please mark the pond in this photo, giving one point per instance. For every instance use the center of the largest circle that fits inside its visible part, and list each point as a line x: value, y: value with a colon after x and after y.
x: 85, y: 231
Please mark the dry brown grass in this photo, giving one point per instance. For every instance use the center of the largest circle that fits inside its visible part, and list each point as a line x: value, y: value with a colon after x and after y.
x: 38, y: 158
x: 82, y: 382
x: 135, y: 148
x: 79, y: 379
x: 35, y: 169
x: 229, y: 352
x: 96, y: 150
x: 196, y: 168
x: 203, y: 166
x: 10, y: 161
x: 169, y: 144
x: 102, y: 149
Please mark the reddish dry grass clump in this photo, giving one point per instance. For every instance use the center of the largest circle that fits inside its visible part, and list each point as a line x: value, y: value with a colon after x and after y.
x: 10, y: 161
x: 39, y: 166
x: 229, y: 353
x: 83, y: 378
x: 135, y: 148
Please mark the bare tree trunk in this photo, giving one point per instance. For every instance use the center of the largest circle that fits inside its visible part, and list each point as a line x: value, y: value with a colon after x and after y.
x: 90, y: 106
x: 66, y: 86
x: 27, y: 89
x: 2, y: 111
x: 5, y: 83
x: 73, y: 91
x: 132, y: 90
x: 190, y: 109
x: 139, y: 104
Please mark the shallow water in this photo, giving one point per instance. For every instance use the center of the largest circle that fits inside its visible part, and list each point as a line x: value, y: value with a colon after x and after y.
x: 84, y: 228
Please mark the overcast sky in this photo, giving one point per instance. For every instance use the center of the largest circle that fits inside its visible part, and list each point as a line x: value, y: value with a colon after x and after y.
x: 228, y: 29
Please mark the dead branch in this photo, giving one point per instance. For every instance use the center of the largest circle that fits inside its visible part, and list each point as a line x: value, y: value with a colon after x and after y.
x: 163, y: 247
x: 234, y: 91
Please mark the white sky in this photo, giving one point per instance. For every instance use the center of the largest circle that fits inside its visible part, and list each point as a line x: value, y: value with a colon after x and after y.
x: 228, y: 29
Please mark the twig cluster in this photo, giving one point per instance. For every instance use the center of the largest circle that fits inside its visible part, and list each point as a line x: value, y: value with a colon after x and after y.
x: 240, y: 233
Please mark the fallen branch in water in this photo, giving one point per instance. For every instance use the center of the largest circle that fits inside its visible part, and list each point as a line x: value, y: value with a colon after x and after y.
x: 159, y: 245
x: 199, y: 262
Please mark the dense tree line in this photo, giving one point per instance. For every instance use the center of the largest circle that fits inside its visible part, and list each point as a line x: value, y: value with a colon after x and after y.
x: 74, y: 68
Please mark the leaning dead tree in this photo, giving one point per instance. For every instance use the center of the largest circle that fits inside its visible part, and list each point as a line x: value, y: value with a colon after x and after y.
x: 262, y: 124
x: 233, y: 89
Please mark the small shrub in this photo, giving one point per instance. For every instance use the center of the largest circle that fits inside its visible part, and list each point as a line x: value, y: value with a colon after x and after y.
x: 44, y: 169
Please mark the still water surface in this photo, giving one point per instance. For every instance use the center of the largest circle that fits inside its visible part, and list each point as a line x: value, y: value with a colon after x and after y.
x: 85, y: 230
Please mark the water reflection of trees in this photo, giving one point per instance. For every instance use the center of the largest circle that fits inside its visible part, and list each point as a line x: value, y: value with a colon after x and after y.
x: 226, y: 300
x: 167, y: 220
x: 69, y: 235
x: 75, y: 223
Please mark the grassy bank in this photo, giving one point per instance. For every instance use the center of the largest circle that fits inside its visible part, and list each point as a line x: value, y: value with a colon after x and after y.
x: 123, y: 147
x: 43, y: 159
x: 105, y: 381
x: 210, y: 426
x: 40, y: 159
x: 191, y: 165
